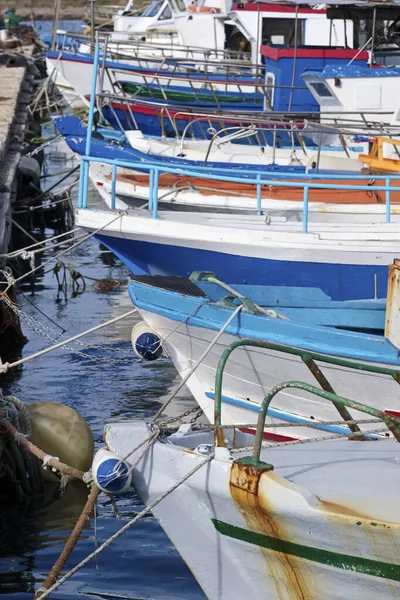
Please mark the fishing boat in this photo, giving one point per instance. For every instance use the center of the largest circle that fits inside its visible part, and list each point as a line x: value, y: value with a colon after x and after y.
x: 353, y: 89
x: 260, y: 519
x: 190, y: 317
x: 213, y: 31
x: 346, y: 258
x: 133, y: 146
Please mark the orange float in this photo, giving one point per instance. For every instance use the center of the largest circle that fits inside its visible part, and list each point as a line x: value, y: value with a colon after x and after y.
x: 193, y: 8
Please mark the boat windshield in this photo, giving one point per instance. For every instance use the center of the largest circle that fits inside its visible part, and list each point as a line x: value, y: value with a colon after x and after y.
x: 151, y: 10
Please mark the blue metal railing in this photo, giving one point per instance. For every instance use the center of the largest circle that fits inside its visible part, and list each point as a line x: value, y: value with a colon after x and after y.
x: 253, y: 176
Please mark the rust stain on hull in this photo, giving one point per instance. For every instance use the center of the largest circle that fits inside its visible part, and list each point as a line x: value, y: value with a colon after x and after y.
x: 284, y: 569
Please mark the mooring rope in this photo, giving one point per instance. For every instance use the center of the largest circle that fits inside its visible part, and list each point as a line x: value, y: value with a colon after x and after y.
x: 198, y: 363
x: 5, y: 367
x: 71, y: 542
x: 17, y: 465
x: 83, y: 239
x: 121, y: 531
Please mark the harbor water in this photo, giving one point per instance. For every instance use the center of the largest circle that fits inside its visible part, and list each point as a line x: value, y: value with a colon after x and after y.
x: 103, y: 380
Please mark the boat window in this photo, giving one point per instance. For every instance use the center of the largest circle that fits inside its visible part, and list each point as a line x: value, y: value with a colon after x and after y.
x: 321, y: 89
x: 281, y: 31
x: 151, y: 10
x: 180, y: 4
x: 166, y: 14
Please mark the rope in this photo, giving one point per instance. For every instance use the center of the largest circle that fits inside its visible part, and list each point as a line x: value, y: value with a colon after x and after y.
x: 52, y: 336
x: 70, y: 544
x: 269, y: 312
x: 37, y: 243
x: 46, y: 459
x: 81, y: 240
x: 18, y: 466
x: 200, y: 360
x: 5, y: 367
x: 121, y: 531
x: 309, y: 440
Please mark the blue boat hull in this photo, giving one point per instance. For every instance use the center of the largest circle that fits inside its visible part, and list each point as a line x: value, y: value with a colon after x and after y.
x: 339, y: 281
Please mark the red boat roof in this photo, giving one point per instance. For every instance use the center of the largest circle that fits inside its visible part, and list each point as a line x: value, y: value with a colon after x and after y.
x: 273, y: 7
x: 276, y: 53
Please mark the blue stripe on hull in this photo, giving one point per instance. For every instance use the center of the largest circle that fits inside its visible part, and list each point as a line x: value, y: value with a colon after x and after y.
x: 340, y: 282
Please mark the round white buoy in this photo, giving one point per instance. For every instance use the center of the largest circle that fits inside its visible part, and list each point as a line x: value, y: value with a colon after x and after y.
x: 109, y: 477
x: 61, y: 431
x: 145, y: 342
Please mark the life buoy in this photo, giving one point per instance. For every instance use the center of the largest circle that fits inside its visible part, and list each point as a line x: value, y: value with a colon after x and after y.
x: 193, y: 8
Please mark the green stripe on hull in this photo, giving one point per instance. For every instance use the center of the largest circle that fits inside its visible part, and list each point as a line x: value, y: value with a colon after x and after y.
x: 153, y: 92
x: 325, y: 557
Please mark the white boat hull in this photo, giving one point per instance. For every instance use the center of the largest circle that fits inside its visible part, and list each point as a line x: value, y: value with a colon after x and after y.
x: 323, y: 524
x: 251, y: 373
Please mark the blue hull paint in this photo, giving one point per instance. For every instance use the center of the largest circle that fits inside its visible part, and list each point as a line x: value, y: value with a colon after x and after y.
x: 340, y: 282
x: 199, y: 312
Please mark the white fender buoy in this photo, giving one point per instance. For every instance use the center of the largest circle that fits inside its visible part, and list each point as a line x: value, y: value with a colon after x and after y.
x: 61, y: 431
x: 145, y: 342
x: 109, y: 477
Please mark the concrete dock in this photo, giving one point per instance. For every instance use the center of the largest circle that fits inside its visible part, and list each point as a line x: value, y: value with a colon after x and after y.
x: 18, y: 86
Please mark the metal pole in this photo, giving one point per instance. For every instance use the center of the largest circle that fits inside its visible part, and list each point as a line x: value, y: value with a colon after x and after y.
x: 373, y: 36
x: 113, y: 184
x: 92, y: 97
x: 92, y: 28
x: 258, y: 43
x: 155, y: 193
x: 259, y: 212
x: 305, y: 209
x: 294, y: 58
x: 387, y: 200
x: 57, y: 8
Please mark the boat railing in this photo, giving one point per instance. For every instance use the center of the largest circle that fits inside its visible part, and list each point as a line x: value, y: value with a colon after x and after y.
x: 313, y: 361
x: 159, y: 84
x: 71, y: 41
x: 295, y: 121
x: 253, y: 176
x: 304, y: 181
x: 391, y: 422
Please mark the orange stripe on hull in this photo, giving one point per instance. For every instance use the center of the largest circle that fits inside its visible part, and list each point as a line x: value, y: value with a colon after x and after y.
x: 208, y: 187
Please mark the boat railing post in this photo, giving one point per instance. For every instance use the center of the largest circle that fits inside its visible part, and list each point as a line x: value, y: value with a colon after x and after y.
x: 82, y: 201
x: 305, y: 208
x: 113, y: 185
x: 85, y: 159
x: 85, y: 181
x: 151, y: 187
x: 155, y: 193
x: 387, y: 200
x: 92, y: 96
x: 259, y: 212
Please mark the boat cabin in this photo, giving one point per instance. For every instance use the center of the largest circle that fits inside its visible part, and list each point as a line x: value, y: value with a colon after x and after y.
x: 284, y: 73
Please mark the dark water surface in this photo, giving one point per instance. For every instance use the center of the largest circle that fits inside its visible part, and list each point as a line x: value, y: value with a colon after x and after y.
x: 143, y: 563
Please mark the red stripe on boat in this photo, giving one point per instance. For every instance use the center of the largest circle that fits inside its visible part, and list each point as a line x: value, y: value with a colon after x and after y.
x: 394, y: 413
x: 277, y: 53
x: 266, y: 7
x: 271, y: 437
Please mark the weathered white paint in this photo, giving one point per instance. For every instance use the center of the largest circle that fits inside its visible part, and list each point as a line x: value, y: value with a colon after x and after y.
x: 251, y: 373
x: 338, y: 496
